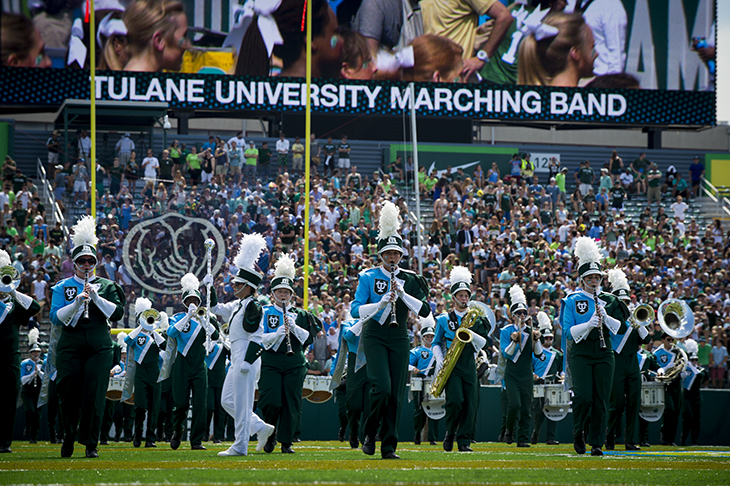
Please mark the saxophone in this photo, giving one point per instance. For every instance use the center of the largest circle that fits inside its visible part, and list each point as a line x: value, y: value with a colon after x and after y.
x: 462, y: 337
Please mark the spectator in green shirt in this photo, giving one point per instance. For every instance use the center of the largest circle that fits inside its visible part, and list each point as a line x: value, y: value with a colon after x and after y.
x: 639, y: 166
x: 193, y: 161
x: 703, y: 353
x: 560, y: 182
x: 252, y: 155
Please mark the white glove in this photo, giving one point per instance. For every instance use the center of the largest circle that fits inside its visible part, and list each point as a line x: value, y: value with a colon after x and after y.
x: 537, y: 348
x: 685, y: 374
x: 208, y: 280
x: 245, y: 368
x: 383, y: 303
x: 660, y: 372
x: 438, y: 354
x: 191, y: 309
x: 398, y: 288
x: 281, y: 330
x: 643, y: 332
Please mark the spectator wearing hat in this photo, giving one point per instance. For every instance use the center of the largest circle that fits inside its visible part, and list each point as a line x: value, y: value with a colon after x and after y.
x: 54, y: 149
x: 125, y: 147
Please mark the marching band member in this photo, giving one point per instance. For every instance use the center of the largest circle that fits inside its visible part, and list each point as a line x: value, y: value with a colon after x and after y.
x: 287, y: 332
x: 357, y: 398
x: 547, y: 370
x: 188, y: 369
x: 626, y: 389
x: 143, y: 369
x: 245, y: 331
x: 462, y: 387
x: 122, y: 416
x: 31, y: 374
x: 693, y: 378
x: 518, y: 343
x: 420, y: 364
x: 83, y: 306
x: 215, y: 363
x: 383, y: 298
x: 16, y: 309
x: 648, y: 366
x: 589, y: 358
x: 666, y: 355
x: 110, y: 406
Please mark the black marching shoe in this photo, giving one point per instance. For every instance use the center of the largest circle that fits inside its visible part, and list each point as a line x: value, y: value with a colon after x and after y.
x: 523, y: 444
x: 533, y: 438
x: 368, y: 447
x: 286, y: 449
x: 103, y: 442
x: 631, y: 447
x: 67, y: 449
x: 449, y: 443
x: 198, y: 447
x: 91, y: 452
x: 645, y: 444
x: 465, y: 448
x: 341, y: 434
x: 390, y: 455
x: 5, y: 450
x: 175, y: 442
x: 508, y: 436
x: 417, y: 438
x: 32, y: 441
x: 500, y: 438
x: 354, y: 443
x: 270, y: 444
x: 579, y: 444
x: 137, y: 442
x: 148, y: 444
x: 217, y: 441
x: 610, y: 444
x: 596, y: 451
x: 552, y: 442
x: 296, y: 440
x: 433, y: 442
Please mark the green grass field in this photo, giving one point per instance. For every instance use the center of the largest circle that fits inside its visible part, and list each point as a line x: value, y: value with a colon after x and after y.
x: 336, y: 463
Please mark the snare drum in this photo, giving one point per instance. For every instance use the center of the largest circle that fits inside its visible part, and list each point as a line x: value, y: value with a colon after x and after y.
x: 321, y: 389
x: 435, y: 408
x: 651, y: 408
x: 115, y: 388
x: 557, y: 401
x: 538, y: 391
x: 416, y: 383
x: 308, y: 387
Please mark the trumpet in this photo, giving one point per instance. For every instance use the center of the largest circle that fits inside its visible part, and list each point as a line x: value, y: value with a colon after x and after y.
x: 643, y: 315
x: 201, y: 312
x: 9, y: 279
x: 150, y: 319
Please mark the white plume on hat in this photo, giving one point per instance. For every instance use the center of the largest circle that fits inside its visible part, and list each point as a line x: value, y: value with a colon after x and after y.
x: 690, y: 346
x: 284, y: 267
x: 587, y: 251
x: 617, y: 279
x: 121, y: 337
x: 250, y: 250
x: 517, y: 295
x: 85, y: 232
x: 141, y: 304
x: 33, y: 336
x: 4, y: 258
x: 189, y: 283
x: 543, y: 321
x: 389, y: 223
x: 460, y: 274
x: 427, y: 321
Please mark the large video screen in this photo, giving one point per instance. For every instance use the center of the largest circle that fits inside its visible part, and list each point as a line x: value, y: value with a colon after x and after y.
x: 641, y: 62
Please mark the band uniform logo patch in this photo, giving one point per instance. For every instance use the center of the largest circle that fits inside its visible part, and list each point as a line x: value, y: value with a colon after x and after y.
x: 594, y: 266
x: 70, y: 293
x: 273, y: 322
x: 664, y: 358
x: 581, y: 306
x: 29, y: 367
x: 141, y: 340
x: 542, y: 357
x: 381, y: 286
x: 186, y: 328
x: 453, y: 325
x: 392, y: 240
x: 424, y: 354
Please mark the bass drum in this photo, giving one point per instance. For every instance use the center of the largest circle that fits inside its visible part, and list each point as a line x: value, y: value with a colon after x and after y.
x: 556, y: 404
x: 308, y: 387
x: 651, y: 407
x: 435, y: 408
x: 320, y: 389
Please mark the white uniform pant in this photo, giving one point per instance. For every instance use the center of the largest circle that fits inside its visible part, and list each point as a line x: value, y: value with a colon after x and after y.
x: 238, y: 396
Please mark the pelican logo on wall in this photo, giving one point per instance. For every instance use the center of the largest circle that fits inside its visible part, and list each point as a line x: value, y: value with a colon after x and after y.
x: 159, y: 251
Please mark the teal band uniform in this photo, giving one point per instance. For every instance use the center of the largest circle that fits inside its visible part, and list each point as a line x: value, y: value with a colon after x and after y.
x: 647, y: 363
x: 518, y: 381
x: 282, y: 376
x: 386, y: 348
x: 548, y: 372
x: 146, y: 354
x: 421, y: 357
x: 589, y: 366
x: 672, y: 395
x: 84, y: 356
x: 692, y: 403
x: 358, y: 386
x: 462, y: 387
x: 189, y: 373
